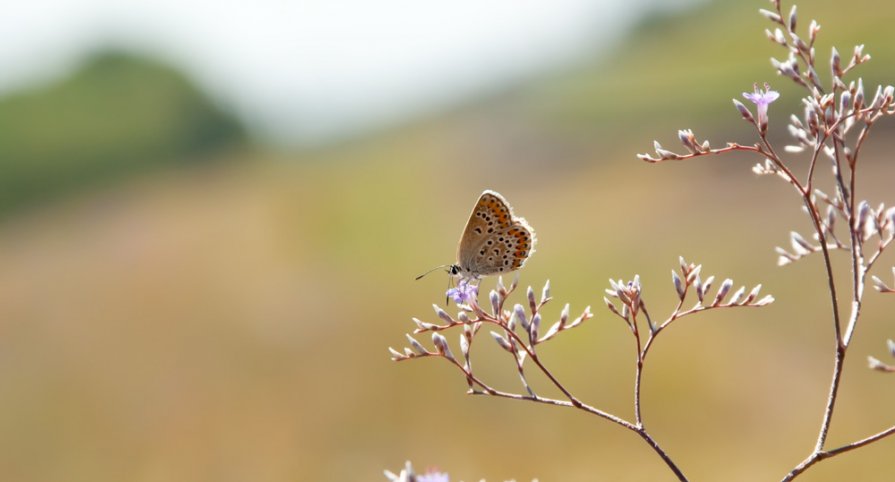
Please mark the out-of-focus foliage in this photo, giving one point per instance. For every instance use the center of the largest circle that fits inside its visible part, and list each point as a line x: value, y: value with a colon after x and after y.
x: 231, y: 320
x: 118, y: 114
x: 685, y: 66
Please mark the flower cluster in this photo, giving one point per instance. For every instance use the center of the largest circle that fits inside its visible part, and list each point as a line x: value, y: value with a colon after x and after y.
x: 518, y: 331
x: 631, y: 302
x: 873, y: 224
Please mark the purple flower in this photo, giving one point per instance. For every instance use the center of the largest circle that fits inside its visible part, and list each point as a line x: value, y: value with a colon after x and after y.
x: 464, y: 292
x: 433, y: 477
x: 762, y: 99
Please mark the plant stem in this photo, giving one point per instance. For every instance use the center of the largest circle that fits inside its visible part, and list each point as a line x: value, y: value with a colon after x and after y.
x: 665, y: 458
x: 638, y: 428
x: 817, y: 456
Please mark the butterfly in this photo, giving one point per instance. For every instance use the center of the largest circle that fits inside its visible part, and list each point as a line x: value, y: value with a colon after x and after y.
x: 494, y: 241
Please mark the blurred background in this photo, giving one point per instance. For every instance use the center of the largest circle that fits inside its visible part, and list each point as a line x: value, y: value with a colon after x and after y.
x: 211, y: 215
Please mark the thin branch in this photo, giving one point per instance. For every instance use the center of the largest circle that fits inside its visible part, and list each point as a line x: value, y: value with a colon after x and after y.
x: 534, y: 357
x: 860, y: 443
x: 838, y: 363
x: 638, y: 369
x: 879, y: 251
x: 818, y: 228
x: 638, y: 429
x: 840, y: 347
x: 860, y: 141
x: 817, y: 456
x: 731, y: 147
x: 818, y: 146
x: 771, y: 154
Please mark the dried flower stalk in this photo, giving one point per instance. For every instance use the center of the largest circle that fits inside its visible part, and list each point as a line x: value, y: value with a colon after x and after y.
x: 835, y: 123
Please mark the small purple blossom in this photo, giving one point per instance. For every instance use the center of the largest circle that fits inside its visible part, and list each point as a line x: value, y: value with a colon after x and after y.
x: 762, y: 99
x: 463, y: 292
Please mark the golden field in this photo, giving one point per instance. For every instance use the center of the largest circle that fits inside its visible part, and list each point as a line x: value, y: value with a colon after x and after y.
x: 230, y: 319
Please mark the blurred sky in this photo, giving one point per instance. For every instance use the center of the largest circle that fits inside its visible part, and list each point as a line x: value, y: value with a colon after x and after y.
x: 314, y: 70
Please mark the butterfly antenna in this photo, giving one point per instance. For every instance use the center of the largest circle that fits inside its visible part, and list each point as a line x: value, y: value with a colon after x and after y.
x: 431, y: 270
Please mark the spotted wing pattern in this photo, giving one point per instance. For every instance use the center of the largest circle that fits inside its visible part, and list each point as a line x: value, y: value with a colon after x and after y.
x: 494, y: 241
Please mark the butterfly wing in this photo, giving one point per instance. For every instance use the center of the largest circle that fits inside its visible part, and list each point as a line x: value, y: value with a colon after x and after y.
x: 520, y: 241
x: 494, y: 240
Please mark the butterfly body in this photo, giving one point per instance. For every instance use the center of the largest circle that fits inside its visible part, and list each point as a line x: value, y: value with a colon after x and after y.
x: 494, y: 241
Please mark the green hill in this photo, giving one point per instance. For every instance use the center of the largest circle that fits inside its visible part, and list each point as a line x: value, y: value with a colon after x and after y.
x: 116, y: 115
